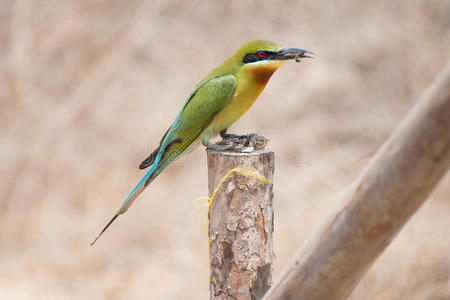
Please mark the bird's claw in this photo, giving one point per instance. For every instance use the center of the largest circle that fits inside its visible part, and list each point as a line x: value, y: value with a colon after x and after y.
x: 214, y: 147
x: 239, y: 143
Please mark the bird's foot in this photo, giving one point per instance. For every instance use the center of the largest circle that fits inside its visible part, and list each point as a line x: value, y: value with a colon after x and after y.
x: 228, y: 136
x: 214, y: 147
x: 241, y: 143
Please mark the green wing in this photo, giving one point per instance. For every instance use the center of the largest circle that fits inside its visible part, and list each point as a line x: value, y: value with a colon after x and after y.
x: 200, y: 109
x: 208, y: 98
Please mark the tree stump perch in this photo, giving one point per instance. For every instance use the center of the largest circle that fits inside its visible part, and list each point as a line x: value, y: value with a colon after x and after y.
x: 240, y: 225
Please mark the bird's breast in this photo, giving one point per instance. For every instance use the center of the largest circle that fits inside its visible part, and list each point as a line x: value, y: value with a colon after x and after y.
x: 247, y: 91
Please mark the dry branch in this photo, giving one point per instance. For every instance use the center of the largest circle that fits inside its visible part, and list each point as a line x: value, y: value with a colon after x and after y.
x: 376, y: 206
x: 240, y: 225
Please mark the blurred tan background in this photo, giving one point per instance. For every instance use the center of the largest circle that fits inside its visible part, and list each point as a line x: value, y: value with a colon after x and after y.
x: 87, y: 89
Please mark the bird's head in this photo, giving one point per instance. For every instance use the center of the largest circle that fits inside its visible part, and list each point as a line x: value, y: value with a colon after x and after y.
x: 262, y: 58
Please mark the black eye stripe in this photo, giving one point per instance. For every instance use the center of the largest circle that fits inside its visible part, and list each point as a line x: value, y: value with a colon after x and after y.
x: 250, y: 57
x: 254, y: 57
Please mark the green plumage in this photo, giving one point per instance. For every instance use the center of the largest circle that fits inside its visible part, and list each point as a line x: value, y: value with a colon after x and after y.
x: 209, y: 98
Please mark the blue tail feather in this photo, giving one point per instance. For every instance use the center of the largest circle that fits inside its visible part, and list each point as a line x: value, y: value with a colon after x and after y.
x: 148, y: 177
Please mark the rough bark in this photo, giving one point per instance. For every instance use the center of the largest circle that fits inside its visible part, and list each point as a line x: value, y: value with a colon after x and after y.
x: 376, y: 206
x: 240, y: 225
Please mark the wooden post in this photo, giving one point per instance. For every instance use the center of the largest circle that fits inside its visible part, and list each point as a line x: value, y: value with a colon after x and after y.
x: 376, y: 206
x: 240, y: 224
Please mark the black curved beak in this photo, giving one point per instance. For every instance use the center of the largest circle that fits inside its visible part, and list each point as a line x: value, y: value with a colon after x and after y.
x: 292, y: 53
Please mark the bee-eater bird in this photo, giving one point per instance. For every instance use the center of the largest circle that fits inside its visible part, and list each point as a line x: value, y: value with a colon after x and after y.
x: 218, y: 101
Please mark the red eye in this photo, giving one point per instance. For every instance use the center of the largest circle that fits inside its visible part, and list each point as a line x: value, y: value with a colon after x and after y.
x: 261, y: 53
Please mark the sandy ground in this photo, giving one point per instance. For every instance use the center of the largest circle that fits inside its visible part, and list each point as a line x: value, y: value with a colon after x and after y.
x: 87, y: 88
